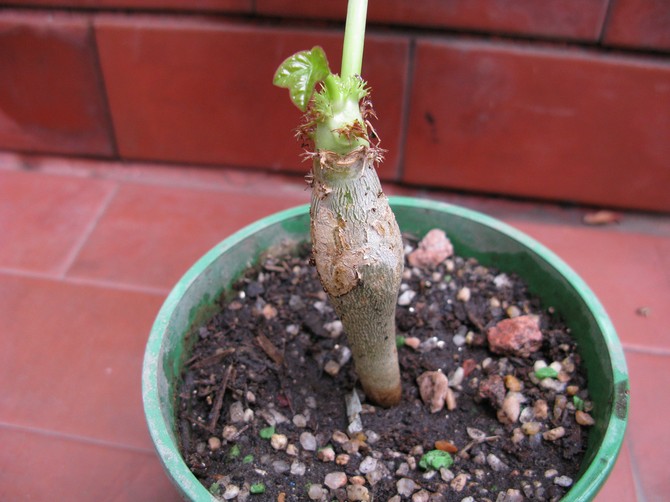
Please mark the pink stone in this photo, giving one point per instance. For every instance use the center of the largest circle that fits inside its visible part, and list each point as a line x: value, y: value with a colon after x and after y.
x: 433, y: 388
x: 433, y: 249
x: 519, y: 336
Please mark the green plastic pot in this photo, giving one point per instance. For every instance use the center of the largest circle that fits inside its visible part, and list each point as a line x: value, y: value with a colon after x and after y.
x: 492, y: 242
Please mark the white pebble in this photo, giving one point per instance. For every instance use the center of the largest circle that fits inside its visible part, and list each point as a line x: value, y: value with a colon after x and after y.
x: 300, y: 421
x: 316, y: 492
x: 298, y: 468
x: 406, y: 487
x: 279, y: 441
x: 231, y: 492
x: 368, y: 464
x: 406, y: 298
x: 564, y: 481
x: 335, y: 480
x: 308, y: 441
x: 464, y: 295
x: 236, y: 412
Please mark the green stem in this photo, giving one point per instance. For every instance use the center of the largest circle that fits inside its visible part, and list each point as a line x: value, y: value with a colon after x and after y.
x: 354, y: 38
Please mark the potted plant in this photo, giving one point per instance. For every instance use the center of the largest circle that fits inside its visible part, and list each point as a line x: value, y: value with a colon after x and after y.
x: 358, y: 251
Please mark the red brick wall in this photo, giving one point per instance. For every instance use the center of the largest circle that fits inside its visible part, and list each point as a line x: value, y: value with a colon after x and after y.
x: 565, y: 100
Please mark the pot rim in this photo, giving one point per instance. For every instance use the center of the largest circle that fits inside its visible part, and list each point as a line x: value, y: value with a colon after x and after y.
x: 590, y: 480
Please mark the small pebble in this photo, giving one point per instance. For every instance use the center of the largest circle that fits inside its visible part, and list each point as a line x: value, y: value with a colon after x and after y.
x: 584, y: 418
x: 298, y: 468
x: 550, y: 473
x: 279, y: 441
x: 531, y: 428
x: 421, y: 496
x: 357, y: 480
x: 541, y: 409
x: 214, y: 443
x: 357, y: 493
x: 335, y: 480
x: 517, y: 435
x: 405, y: 487
x: 332, y: 368
x: 300, y: 421
x: 513, y: 311
x: 406, y: 298
x: 308, y: 441
x: 563, y: 481
x: 446, y: 474
x: 458, y: 483
x: 334, y: 328
x: 229, y: 432
x: 342, y: 459
x: 236, y: 412
x: 413, y: 342
x: 231, y: 492
x: 495, y: 463
x: 280, y: 466
x: 326, y: 454
x: 459, y: 340
x: 512, y: 383
x: 316, y: 492
x: 464, y: 295
x: 368, y: 464
x: 292, y: 450
x: 554, y: 434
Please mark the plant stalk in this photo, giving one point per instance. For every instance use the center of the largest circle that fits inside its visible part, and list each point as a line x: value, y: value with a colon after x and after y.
x: 354, y: 38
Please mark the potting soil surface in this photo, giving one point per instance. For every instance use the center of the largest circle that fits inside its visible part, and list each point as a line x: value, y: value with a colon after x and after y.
x: 262, y: 410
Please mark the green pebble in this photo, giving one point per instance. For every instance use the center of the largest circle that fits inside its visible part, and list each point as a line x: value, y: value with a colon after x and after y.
x: 257, y: 488
x: 578, y: 402
x: 215, y: 489
x: 546, y: 372
x: 248, y: 459
x: 267, y: 432
x: 436, y: 459
x: 399, y: 341
x: 234, y: 452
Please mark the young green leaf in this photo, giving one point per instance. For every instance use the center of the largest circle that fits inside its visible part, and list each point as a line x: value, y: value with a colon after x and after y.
x: 300, y: 72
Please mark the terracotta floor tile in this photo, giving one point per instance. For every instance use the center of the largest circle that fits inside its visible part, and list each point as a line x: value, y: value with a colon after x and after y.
x: 43, y: 219
x: 71, y: 358
x: 647, y: 427
x: 626, y: 271
x: 620, y: 485
x: 41, y: 467
x: 151, y: 235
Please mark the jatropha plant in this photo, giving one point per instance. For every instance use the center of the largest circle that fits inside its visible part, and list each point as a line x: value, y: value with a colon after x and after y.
x: 356, y: 242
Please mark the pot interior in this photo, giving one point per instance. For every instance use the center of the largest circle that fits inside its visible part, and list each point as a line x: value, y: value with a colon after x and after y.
x: 493, y: 243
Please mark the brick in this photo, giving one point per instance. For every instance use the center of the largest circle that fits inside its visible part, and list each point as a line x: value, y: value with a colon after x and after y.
x: 569, y: 19
x: 639, y: 23
x: 50, y: 90
x: 201, y: 91
x: 178, y: 5
x: 558, y: 124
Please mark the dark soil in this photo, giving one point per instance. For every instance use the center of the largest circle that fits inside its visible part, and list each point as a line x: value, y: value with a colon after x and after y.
x: 275, y: 355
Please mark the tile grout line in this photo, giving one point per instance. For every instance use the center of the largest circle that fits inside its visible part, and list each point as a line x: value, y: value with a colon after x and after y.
x: 86, y: 234
x: 84, y: 281
x: 652, y: 351
x: 75, y: 438
x: 637, y: 483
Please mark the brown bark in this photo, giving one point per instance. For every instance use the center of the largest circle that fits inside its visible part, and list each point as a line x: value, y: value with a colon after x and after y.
x: 358, y: 252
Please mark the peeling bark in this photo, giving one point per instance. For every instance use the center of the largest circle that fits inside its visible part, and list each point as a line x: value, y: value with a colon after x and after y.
x: 357, y: 248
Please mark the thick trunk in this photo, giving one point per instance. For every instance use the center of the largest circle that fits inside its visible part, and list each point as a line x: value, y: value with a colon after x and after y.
x: 358, y: 252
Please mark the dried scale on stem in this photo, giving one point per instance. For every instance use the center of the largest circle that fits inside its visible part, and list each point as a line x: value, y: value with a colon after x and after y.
x: 356, y: 242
